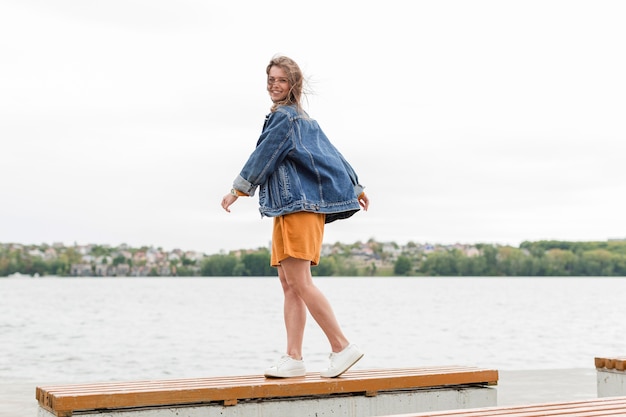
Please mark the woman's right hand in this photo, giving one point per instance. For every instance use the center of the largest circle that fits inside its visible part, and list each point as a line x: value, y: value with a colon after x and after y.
x: 227, y: 201
x: 364, y: 201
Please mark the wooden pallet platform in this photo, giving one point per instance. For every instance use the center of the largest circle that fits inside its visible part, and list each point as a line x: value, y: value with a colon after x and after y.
x: 64, y: 400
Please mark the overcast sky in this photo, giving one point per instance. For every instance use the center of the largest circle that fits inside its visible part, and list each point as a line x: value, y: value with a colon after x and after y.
x: 467, y: 121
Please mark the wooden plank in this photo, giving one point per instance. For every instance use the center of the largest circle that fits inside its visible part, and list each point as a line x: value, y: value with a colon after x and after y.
x: 618, y: 363
x: 229, y: 390
x: 613, y: 406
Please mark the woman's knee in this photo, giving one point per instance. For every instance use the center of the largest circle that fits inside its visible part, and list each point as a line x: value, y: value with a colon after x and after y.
x: 283, y: 280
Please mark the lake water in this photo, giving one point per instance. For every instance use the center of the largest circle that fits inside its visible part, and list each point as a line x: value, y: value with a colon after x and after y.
x: 90, y: 329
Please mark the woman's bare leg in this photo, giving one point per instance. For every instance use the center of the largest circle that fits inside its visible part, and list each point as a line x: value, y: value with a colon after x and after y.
x: 294, y: 312
x: 295, y: 276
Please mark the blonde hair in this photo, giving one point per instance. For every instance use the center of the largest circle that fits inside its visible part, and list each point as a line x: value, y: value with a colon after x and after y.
x: 295, y: 78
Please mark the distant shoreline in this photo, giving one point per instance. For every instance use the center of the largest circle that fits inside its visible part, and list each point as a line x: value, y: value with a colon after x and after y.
x: 371, y: 258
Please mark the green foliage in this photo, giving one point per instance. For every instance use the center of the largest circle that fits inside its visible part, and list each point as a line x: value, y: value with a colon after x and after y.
x: 254, y: 263
x: 326, y: 268
x: 219, y: 266
x: 119, y: 259
x: 346, y: 267
x: 28, y: 260
x: 98, y: 250
x: 402, y: 266
x: 338, y: 264
x: 445, y: 263
x: 257, y: 264
x: 546, y: 258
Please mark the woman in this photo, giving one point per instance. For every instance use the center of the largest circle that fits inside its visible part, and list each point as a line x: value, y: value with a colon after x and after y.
x: 304, y: 182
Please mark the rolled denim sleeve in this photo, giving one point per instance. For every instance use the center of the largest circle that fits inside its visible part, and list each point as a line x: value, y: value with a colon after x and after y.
x: 272, y: 148
x: 241, y: 184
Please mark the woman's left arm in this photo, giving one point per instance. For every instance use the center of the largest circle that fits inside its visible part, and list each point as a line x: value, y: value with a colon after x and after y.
x: 272, y: 148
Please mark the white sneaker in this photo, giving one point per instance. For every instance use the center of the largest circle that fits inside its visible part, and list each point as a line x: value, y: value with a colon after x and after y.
x: 342, y: 361
x: 286, y: 367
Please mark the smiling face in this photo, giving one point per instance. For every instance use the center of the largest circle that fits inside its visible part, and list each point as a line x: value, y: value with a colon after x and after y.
x: 277, y: 84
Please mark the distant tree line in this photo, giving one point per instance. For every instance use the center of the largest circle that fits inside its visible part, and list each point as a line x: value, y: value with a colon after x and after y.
x: 19, y: 261
x: 542, y: 258
x: 257, y: 263
x: 251, y: 263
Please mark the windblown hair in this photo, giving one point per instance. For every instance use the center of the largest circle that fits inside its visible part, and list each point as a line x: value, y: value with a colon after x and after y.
x: 295, y: 78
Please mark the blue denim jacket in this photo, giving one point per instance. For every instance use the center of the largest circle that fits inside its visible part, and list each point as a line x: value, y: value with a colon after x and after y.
x: 298, y: 169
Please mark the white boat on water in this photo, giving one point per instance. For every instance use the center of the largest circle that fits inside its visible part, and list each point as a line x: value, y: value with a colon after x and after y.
x: 18, y: 275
